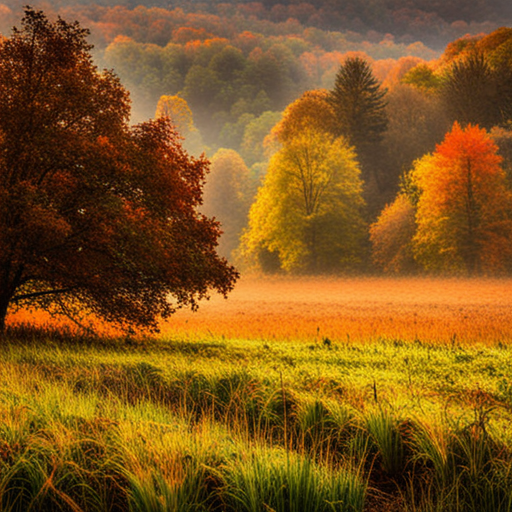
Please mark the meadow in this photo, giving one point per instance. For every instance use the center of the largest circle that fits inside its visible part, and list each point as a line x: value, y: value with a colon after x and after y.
x: 356, y: 394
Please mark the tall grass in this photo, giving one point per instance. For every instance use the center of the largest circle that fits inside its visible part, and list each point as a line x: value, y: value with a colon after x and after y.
x: 99, y: 424
x: 285, y: 481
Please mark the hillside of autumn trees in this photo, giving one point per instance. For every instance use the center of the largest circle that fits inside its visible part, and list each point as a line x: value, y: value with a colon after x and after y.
x: 236, y: 67
x: 234, y: 79
x: 434, y: 22
x: 232, y: 60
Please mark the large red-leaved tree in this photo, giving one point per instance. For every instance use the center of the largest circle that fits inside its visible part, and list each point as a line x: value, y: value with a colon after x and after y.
x: 94, y: 213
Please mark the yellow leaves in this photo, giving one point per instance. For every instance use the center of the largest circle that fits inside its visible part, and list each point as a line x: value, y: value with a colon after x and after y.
x: 178, y: 111
x: 311, y: 111
x: 308, y: 209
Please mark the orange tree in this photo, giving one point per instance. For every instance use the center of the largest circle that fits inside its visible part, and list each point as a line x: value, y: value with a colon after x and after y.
x: 94, y: 213
x: 464, y: 218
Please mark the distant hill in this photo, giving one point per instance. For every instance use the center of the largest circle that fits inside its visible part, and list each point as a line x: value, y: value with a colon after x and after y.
x: 433, y: 22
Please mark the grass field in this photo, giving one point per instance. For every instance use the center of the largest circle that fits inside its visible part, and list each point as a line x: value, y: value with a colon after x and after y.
x: 310, y: 395
x: 362, y: 309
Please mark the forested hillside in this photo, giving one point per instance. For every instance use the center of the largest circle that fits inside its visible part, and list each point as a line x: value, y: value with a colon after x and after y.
x: 434, y: 22
x: 248, y: 82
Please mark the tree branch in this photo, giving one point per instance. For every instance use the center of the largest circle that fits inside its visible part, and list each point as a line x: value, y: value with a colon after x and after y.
x: 33, y: 295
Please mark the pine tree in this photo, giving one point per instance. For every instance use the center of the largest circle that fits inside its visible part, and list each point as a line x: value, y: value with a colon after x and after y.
x: 471, y: 91
x: 360, y: 109
x: 358, y: 101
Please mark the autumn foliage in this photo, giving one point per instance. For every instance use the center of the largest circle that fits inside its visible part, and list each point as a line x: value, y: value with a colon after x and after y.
x: 307, y: 215
x: 391, y: 236
x: 463, y: 210
x: 94, y: 215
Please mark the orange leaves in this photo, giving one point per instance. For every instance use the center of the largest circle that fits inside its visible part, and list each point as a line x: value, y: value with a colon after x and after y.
x: 187, y: 34
x: 464, y: 214
x: 454, y: 214
x: 465, y: 163
x: 471, y: 143
x: 391, y: 236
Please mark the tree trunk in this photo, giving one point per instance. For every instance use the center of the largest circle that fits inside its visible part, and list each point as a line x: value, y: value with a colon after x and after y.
x: 4, y: 306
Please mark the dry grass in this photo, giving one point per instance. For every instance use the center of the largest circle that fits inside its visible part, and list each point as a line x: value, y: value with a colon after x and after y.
x: 477, y: 310
x: 311, y: 309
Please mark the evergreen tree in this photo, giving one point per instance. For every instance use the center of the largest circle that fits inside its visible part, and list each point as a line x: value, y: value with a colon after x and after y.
x: 359, y: 104
x: 472, y: 94
x: 360, y: 109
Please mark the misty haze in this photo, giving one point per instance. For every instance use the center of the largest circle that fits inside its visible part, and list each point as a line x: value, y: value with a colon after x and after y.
x: 256, y: 256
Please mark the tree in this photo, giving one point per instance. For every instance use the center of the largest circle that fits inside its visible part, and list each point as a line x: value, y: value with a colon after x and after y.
x: 360, y: 109
x: 228, y: 64
x: 200, y: 89
x: 311, y: 110
x: 227, y: 197
x: 417, y: 122
x: 178, y: 111
x: 94, y: 213
x: 391, y: 237
x: 473, y: 92
x: 358, y: 102
x: 308, y: 211
x: 422, y: 77
x: 464, y: 215
x: 180, y: 115
x: 503, y: 139
x: 252, y: 147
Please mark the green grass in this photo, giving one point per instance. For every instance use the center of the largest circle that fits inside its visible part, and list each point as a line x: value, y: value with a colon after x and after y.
x: 214, y: 425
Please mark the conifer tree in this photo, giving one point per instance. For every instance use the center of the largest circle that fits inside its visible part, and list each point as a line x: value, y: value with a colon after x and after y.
x: 360, y: 109
x: 358, y: 101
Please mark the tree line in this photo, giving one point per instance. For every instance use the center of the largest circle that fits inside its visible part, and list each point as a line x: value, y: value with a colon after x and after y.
x: 102, y: 217
x: 422, y: 168
x: 434, y: 23
x: 235, y: 64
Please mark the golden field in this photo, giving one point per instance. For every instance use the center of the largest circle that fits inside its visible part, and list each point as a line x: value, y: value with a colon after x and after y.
x: 355, y: 309
x: 348, y: 309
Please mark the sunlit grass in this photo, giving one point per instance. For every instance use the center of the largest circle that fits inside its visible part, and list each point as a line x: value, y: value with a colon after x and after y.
x: 207, y: 421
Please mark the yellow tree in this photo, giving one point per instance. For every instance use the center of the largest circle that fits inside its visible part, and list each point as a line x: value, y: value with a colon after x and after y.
x: 178, y: 111
x: 464, y: 210
x: 312, y: 110
x: 308, y: 211
x: 391, y: 236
